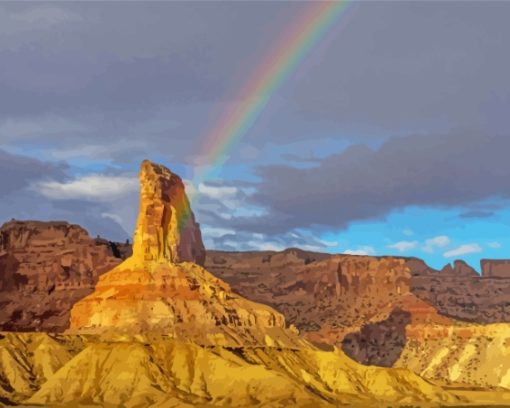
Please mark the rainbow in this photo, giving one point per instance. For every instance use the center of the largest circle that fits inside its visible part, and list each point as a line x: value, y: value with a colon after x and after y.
x: 296, y: 43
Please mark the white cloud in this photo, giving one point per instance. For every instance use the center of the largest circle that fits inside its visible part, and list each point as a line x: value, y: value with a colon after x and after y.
x: 403, y: 246
x: 218, y: 192
x: 432, y: 244
x: 494, y: 245
x: 363, y: 250
x: 113, y: 217
x: 278, y: 246
x: 265, y: 246
x: 408, y: 232
x: 463, y: 250
x: 329, y: 244
x: 95, y: 187
x: 229, y: 196
x: 214, y: 232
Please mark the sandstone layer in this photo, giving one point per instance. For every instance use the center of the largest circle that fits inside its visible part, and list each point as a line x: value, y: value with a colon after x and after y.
x: 46, y: 267
x: 325, y: 296
x: 154, y: 371
x: 462, y: 294
x: 30, y: 302
x: 404, y: 314
x: 495, y: 268
x: 159, y: 290
x: 166, y: 229
x: 460, y: 355
x: 286, y: 280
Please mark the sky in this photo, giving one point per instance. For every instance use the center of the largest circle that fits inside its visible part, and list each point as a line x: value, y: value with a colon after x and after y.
x: 390, y: 138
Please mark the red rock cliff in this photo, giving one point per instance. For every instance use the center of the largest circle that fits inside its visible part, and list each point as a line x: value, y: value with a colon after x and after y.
x: 45, y: 267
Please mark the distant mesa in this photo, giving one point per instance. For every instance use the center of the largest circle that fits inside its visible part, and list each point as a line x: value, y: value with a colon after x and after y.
x: 495, y: 268
x: 163, y: 289
x: 460, y: 268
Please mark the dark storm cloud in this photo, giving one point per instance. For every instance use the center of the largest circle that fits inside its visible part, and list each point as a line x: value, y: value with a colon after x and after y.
x: 18, y: 172
x: 118, y: 82
x: 133, y: 56
x: 441, y: 170
x: 413, y: 65
x: 390, y: 68
x: 136, y: 79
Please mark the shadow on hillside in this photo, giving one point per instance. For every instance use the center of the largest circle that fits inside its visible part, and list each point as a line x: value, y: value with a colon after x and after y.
x: 379, y: 343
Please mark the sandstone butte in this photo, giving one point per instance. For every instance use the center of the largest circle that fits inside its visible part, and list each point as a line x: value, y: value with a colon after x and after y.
x: 160, y: 330
x: 161, y: 288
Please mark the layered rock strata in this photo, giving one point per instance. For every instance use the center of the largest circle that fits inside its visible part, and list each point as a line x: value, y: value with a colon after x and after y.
x: 46, y: 267
x: 69, y: 370
x: 158, y: 289
x: 166, y: 230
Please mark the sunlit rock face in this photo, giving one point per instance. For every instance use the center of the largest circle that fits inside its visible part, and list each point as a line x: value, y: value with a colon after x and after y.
x: 161, y: 288
x: 154, y: 371
x: 166, y: 228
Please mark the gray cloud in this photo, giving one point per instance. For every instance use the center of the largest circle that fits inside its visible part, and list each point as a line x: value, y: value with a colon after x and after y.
x: 162, y: 74
x: 441, y: 170
x: 19, y: 172
x: 409, y: 65
x: 114, y: 83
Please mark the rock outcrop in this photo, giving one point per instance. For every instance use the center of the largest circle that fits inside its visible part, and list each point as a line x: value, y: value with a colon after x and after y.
x: 158, y: 290
x: 460, y: 269
x: 46, y: 267
x: 496, y: 268
x: 462, y: 294
x: 166, y: 229
x: 468, y: 355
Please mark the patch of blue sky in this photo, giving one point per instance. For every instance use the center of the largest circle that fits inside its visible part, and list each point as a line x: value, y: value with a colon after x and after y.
x: 469, y: 239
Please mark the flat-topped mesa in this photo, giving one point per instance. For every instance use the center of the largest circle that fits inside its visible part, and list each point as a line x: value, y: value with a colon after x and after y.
x: 166, y: 229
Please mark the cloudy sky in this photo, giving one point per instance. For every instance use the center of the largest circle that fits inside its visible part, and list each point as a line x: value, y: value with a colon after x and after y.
x: 391, y: 137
